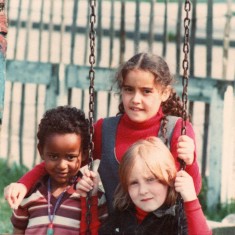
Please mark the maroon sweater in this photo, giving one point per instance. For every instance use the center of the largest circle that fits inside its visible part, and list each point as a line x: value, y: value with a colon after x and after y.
x: 70, y: 217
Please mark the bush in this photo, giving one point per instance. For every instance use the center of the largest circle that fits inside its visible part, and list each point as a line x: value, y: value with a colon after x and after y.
x: 203, y: 193
x: 221, y: 209
x: 5, y: 214
x: 11, y: 174
x: 7, y: 175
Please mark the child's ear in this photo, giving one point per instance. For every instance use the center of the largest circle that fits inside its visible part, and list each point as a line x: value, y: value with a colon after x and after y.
x: 40, y: 150
x: 166, y: 93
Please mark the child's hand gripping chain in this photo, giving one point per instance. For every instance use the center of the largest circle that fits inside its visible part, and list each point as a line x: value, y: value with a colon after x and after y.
x: 88, y: 182
x: 184, y: 185
x: 186, y: 149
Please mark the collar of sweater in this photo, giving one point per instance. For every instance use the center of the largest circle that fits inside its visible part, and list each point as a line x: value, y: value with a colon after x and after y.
x: 126, y: 121
x: 160, y: 212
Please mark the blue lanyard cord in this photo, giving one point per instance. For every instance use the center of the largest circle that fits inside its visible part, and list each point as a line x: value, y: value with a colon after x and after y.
x: 51, y: 216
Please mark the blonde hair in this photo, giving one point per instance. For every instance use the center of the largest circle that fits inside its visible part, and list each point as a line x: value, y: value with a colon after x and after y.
x: 158, y: 160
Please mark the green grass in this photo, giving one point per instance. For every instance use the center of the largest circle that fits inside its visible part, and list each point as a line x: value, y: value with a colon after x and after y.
x: 5, y: 214
x: 221, y: 211
x: 7, y: 176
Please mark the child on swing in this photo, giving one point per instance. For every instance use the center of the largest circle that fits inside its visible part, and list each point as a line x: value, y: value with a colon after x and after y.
x: 145, y: 199
x: 53, y: 206
x: 149, y: 107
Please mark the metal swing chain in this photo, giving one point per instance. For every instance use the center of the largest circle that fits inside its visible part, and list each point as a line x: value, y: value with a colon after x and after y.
x: 92, y: 36
x: 185, y: 79
x: 185, y: 65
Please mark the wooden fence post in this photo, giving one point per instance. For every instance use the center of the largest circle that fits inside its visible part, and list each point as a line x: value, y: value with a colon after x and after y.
x: 228, y: 160
x: 62, y: 98
x: 52, y: 90
x: 215, y: 147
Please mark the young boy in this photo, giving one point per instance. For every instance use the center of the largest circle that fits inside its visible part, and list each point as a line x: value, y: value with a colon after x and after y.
x: 53, y: 206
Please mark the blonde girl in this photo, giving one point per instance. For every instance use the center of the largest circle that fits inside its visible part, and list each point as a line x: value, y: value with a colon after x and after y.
x: 145, y: 199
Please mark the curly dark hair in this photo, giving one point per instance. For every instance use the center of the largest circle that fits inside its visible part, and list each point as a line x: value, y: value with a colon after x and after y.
x: 159, y: 68
x: 62, y: 120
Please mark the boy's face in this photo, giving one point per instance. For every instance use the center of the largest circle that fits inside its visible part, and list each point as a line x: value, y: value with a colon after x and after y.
x: 62, y: 154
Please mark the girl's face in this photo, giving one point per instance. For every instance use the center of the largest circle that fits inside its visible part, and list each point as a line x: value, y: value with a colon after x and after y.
x: 145, y: 190
x: 62, y: 155
x: 141, y: 97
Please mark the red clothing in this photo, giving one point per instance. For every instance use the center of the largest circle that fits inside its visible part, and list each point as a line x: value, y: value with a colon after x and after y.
x: 129, y: 132
x: 95, y: 223
x: 197, y: 224
x: 70, y: 217
x: 140, y: 214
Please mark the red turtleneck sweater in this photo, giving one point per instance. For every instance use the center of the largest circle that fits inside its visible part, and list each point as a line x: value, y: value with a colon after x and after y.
x: 128, y: 132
